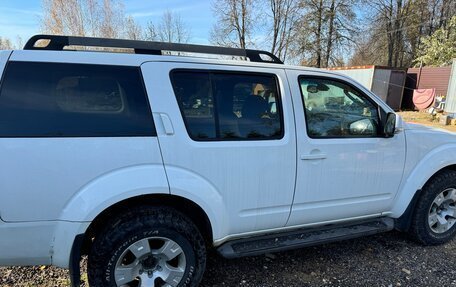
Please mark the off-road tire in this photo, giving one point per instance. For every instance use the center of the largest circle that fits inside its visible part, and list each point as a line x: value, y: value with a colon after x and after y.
x: 140, y: 223
x: 420, y: 229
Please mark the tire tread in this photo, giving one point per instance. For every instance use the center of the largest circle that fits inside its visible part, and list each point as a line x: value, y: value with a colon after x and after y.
x: 139, y: 218
x: 420, y: 230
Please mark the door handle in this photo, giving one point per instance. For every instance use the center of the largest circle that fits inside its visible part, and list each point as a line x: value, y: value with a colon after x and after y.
x: 313, y: 156
x: 167, y: 125
x: 163, y: 124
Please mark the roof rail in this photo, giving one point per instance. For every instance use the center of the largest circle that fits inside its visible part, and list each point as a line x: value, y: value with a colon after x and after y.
x: 58, y: 43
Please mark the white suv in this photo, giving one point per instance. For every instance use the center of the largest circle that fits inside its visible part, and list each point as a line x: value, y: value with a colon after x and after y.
x: 143, y: 161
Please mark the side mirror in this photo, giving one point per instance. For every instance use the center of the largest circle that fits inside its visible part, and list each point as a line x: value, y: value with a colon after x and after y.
x: 364, y: 127
x: 389, y: 127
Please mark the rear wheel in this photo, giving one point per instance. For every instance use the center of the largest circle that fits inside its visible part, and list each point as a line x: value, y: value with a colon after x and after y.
x: 434, y: 220
x: 148, y: 247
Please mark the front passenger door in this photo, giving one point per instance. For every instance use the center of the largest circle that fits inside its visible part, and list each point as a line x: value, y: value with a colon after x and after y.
x: 347, y: 168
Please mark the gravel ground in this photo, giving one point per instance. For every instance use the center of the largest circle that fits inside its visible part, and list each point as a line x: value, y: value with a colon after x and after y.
x: 388, y: 259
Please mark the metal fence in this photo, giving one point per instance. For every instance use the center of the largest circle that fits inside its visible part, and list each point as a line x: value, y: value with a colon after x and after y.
x: 450, y: 106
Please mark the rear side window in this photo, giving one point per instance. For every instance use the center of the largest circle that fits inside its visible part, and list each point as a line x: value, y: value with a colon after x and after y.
x: 228, y: 106
x: 73, y: 100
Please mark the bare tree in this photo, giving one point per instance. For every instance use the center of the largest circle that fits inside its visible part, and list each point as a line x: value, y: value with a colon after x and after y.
x: 112, y: 18
x: 325, y: 32
x: 69, y: 17
x: 396, y: 28
x: 19, y: 42
x: 341, y: 21
x: 5, y: 44
x: 171, y: 29
x: 284, y: 18
x: 97, y: 18
x: 308, y: 38
x: 235, y: 22
x: 150, y: 32
x: 133, y: 31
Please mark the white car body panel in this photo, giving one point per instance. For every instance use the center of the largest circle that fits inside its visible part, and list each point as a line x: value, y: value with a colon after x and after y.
x: 115, y: 187
x: 4, y: 56
x: 54, y: 172
x: 62, y: 241
x: 27, y: 243
x: 369, y: 170
x: 428, y: 151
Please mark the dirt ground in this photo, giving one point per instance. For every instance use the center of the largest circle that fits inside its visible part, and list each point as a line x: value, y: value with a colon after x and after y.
x: 389, y: 259
x: 425, y: 118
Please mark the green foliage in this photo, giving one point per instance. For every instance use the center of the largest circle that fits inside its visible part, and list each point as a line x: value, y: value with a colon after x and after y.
x: 439, y: 49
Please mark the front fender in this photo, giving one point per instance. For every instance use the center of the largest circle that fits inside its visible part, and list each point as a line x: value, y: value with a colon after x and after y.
x: 433, y: 162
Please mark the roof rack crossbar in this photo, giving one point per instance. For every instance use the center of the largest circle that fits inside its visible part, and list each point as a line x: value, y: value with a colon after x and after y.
x: 58, y: 43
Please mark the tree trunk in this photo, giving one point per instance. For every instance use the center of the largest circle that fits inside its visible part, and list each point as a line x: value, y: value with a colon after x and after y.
x: 243, y: 20
x: 332, y: 14
x: 390, y: 35
x: 275, y: 25
x: 319, y: 32
x: 397, y: 33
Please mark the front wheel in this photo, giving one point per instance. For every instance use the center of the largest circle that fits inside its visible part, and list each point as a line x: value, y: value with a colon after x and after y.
x: 156, y: 247
x: 434, y: 220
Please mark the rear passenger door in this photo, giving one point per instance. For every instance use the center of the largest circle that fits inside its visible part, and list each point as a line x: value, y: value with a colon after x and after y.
x: 232, y: 127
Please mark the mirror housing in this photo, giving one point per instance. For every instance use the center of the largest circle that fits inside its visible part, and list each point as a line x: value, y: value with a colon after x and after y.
x: 389, y: 126
x: 364, y: 127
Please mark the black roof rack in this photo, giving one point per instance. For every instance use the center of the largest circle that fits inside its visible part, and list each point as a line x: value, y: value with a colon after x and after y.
x: 58, y: 43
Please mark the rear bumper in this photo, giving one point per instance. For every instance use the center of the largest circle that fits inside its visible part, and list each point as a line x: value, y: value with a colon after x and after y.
x: 38, y: 243
x: 64, y: 237
x: 26, y: 243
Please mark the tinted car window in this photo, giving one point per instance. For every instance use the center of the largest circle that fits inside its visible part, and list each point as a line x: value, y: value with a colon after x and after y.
x: 228, y: 106
x: 76, y: 100
x: 335, y: 109
x: 193, y: 92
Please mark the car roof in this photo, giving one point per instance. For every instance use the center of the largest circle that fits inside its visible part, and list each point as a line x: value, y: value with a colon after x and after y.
x: 127, y: 59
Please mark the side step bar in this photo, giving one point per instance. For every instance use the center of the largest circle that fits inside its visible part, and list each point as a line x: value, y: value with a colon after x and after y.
x: 303, y: 238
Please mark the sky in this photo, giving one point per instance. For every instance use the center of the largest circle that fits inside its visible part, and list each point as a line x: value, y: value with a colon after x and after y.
x: 21, y: 17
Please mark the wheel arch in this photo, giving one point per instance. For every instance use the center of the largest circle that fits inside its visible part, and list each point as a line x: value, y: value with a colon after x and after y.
x: 82, y: 241
x: 403, y: 223
x: 436, y: 160
x: 183, y: 205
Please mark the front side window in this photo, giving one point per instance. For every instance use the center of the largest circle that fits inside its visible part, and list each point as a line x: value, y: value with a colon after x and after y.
x: 334, y: 109
x: 73, y: 100
x: 228, y: 106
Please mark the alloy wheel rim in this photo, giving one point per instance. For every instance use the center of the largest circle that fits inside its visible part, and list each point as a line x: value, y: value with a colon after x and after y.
x: 442, y: 213
x: 151, y: 262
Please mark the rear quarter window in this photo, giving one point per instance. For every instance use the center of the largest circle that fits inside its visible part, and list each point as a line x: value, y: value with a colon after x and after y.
x: 73, y: 100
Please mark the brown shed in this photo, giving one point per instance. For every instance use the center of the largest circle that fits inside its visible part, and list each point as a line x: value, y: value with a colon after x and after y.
x: 425, y: 78
x: 432, y: 78
x: 387, y: 83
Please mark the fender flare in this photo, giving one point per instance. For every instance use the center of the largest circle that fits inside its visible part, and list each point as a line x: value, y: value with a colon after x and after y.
x: 95, y: 197
x: 123, y: 184
x: 436, y: 160
x: 202, y: 192
x: 112, y: 188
